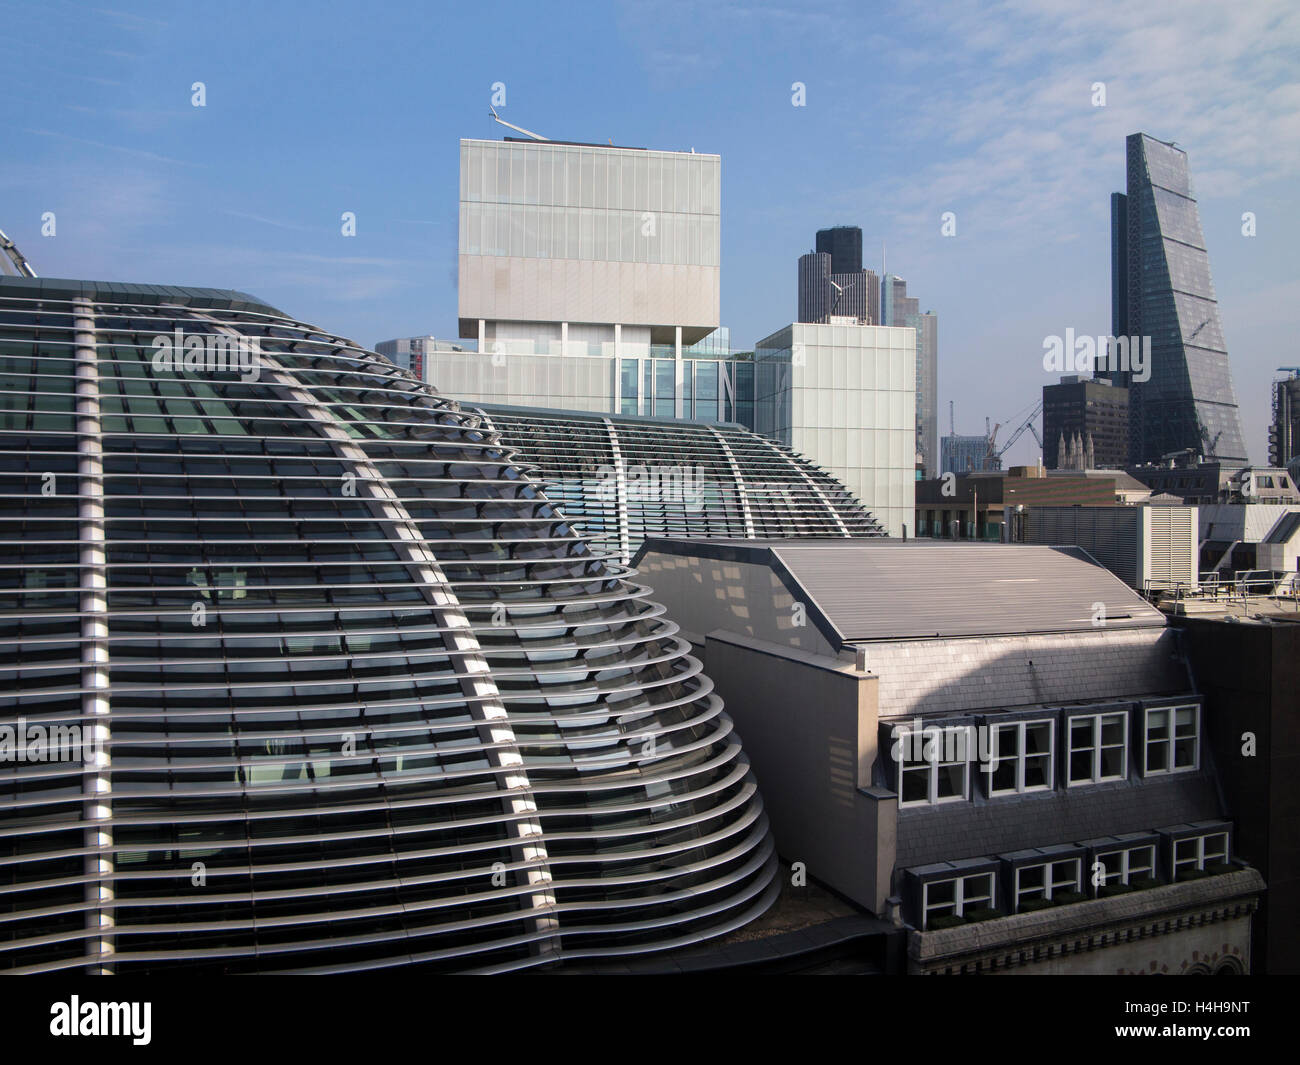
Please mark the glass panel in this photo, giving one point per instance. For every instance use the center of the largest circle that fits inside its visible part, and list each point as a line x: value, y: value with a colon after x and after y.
x: 1141, y: 862
x: 977, y: 891
x: 940, y: 897
x: 952, y: 781
x: 1032, y: 880
x: 1038, y: 755
x: 1112, y: 762
x: 916, y: 785
x: 1081, y: 749
x: 1157, y: 746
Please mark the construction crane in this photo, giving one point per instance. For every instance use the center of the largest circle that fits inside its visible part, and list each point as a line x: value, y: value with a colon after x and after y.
x: 996, y: 453
x: 518, y: 129
x: 17, y: 261
x: 1208, y: 451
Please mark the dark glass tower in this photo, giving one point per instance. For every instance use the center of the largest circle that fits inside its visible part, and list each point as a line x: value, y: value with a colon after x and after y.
x: 844, y: 245
x: 1161, y: 288
x: 1093, y: 412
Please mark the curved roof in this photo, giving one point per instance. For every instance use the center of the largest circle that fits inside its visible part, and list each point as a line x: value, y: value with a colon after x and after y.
x: 622, y: 479
x: 341, y: 689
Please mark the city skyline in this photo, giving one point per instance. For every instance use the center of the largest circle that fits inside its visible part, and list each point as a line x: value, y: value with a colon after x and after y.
x: 1019, y: 153
x: 479, y: 499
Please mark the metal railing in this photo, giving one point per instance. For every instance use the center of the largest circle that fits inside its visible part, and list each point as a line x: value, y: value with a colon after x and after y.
x: 1230, y: 590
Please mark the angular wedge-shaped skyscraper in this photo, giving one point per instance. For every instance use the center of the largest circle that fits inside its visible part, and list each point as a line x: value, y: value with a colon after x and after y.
x: 1161, y: 288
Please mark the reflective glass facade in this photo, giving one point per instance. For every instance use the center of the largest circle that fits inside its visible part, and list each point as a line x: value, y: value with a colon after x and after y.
x: 350, y: 692
x: 900, y: 309
x: 713, y: 388
x: 1095, y: 412
x: 1162, y: 289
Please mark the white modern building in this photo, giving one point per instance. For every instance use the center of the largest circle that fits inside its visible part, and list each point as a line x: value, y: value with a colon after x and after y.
x: 844, y: 396
x: 589, y: 280
x: 578, y: 244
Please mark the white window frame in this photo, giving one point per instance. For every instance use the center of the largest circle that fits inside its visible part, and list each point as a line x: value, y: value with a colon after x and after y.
x: 994, y: 761
x: 961, y: 900
x: 930, y: 767
x: 1051, y: 884
x: 1171, y: 741
x: 1203, y: 854
x: 1096, y: 747
x: 1128, y: 869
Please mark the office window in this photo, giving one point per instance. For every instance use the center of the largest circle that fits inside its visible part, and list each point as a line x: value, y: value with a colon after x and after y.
x: 1124, y: 866
x: 1199, y: 852
x: 1047, y: 879
x: 955, y: 897
x: 934, y: 765
x: 628, y: 403
x: 1171, y: 737
x: 665, y: 388
x: 706, y: 389
x: 1020, y: 757
x: 1098, y: 748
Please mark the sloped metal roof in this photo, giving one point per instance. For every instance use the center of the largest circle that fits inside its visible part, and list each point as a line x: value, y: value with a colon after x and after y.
x: 881, y: 589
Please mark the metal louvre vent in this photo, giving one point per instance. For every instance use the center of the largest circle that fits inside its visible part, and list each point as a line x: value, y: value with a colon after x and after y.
x: 1173, y: 552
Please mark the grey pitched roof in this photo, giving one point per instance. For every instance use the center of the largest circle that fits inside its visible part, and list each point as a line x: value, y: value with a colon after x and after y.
x: 865, y: 590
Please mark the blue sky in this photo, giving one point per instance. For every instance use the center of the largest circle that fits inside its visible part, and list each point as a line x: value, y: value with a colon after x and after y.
x: 911, y: 110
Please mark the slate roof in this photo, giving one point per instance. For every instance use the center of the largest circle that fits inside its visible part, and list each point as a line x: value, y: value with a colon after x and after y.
x: 951, y: 831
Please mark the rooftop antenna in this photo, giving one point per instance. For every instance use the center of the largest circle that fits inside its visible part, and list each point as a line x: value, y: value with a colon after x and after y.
x: 20, y: 266
x: 518, y: 129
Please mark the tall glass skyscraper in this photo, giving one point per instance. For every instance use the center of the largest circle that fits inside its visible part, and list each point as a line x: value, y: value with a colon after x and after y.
x: 1161, y: 288
x: 897, y: 308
